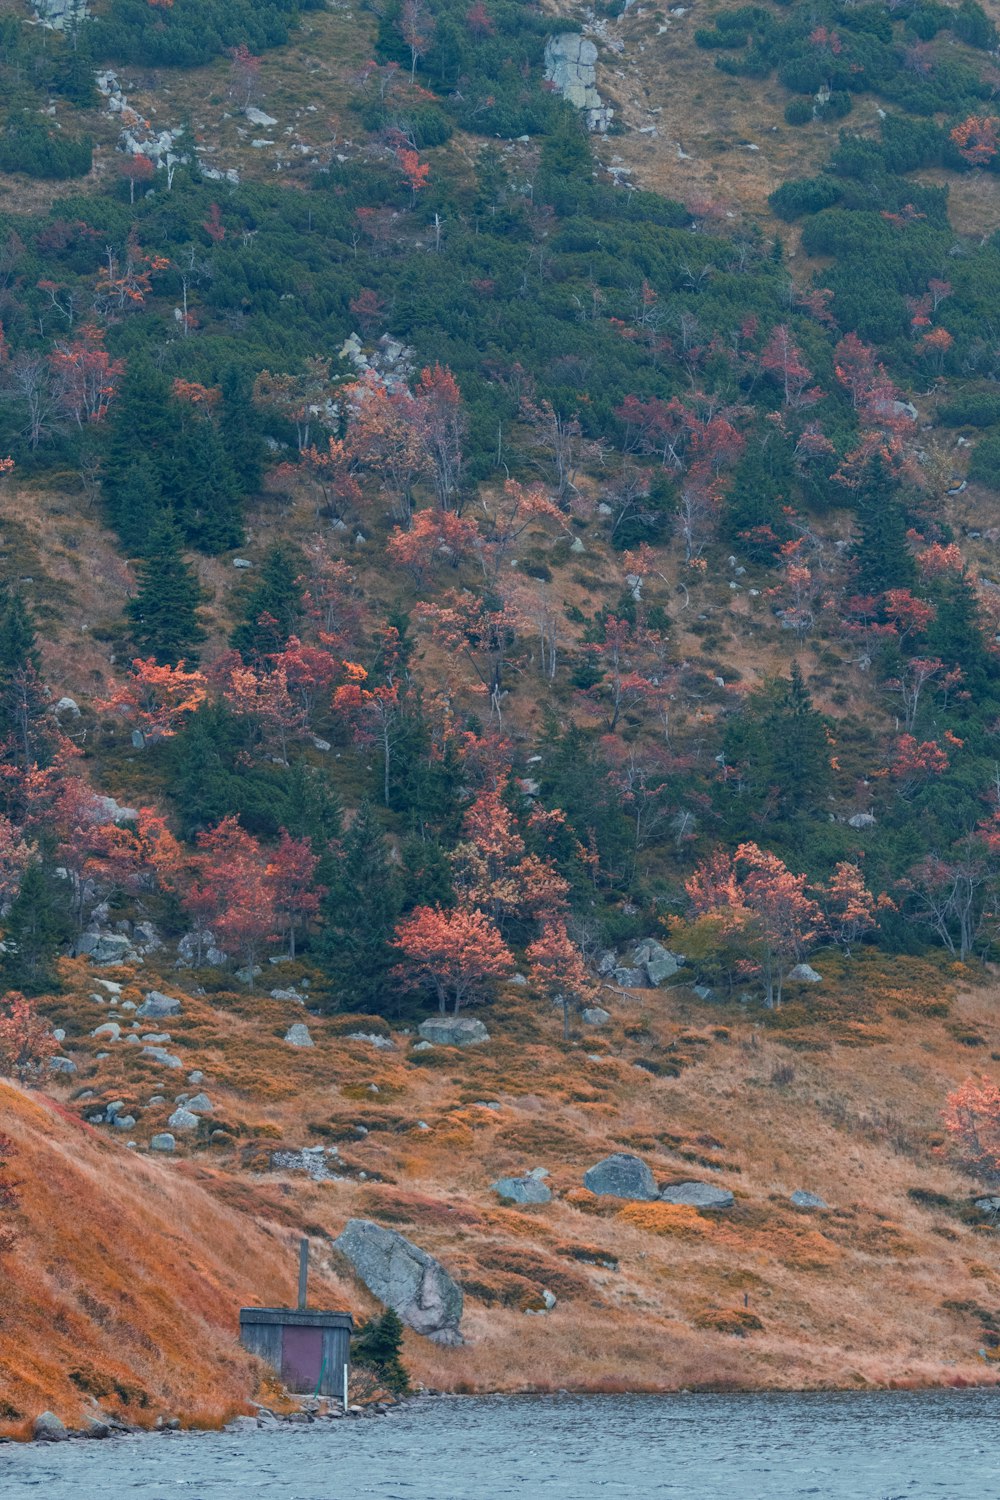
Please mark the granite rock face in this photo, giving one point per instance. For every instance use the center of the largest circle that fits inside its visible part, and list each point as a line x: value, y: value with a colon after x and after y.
x: 697, y: 1195
x: 570, y: 61
x: 405, y: 1278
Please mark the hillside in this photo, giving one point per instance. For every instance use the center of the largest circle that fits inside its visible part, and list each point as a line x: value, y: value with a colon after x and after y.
x: 442, y: 547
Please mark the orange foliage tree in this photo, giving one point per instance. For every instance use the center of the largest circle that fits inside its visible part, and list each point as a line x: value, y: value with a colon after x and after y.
x: 456, y: 954
x: 557, y: 970
x: 850, y: 909
x: 436, y: 538
x: 972, y: 1119
x: 290, y: 872
x: 756, y: 898
x: 493, y: 870
x: 977, y: 140
x: 156, y: 698
x: 234, y: 892
x: 26, y: 1041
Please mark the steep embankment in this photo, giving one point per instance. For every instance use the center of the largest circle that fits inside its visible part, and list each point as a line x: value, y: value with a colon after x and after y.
x: 129, y: 1271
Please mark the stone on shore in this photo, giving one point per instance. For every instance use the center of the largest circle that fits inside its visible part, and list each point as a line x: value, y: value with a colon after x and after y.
x: 405, y: 1278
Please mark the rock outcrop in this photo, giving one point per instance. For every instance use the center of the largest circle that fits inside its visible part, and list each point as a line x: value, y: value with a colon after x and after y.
x: 530, y: 1188
x: 405, y: 1278
x: 454, y: 1031
x: 570, y: 65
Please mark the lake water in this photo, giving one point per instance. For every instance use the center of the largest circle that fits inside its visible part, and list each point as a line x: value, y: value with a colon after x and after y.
x: 883, y: 1446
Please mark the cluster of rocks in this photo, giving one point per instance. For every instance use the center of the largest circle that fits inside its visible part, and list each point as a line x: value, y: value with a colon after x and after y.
x: 647, y: 965
x: 320, y: 1163
x: 390, y: 360
x: 623, y: 1176
x: 530, y: 1188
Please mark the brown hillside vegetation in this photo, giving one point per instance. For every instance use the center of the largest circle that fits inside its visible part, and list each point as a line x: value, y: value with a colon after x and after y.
x: 125, y: 1284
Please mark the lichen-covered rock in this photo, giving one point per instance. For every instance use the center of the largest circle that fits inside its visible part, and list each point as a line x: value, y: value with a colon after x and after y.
x: 596, y: 1015
x: 164, y: 1141
x: 454, y: 1031
x: 183, y: 1119
x: 659, y: 963
x: 405, y: 1278
x: 697, y: 1195
x: 570, y: 66
x: 47, y: 1428
x: 804, y: 974
x: 297, y: 1035
x: 622, y: 1176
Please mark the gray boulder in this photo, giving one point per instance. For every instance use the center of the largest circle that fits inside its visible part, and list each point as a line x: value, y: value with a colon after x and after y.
x: 526, y: 1189
x: 454, y: 1031
x: 62, y: 1065
x: 383, y: 1043
x: 697, y: 1195
x: 162, y: 1056
x: 107, y: 947
x: 801, y: 1199
x: 297, y: 1035
x: 622, y: 1176
x: 631, y: 979
x: 157, y: 1006
x: 124, y: 1122
x: 111, y: 1029
x: 861, y: 820
x: 595, y: 1015
x: 405, y: 1278
x: 68, y: 706
x: 162, y: 1142
x: 183, y: 1119
x: 988, y: 1205
x: 804, y: 974
x: 201, y: 1104
x: 47, y: 1428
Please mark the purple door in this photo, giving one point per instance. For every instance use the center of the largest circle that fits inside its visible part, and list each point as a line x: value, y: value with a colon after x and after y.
x: 301, y: 1358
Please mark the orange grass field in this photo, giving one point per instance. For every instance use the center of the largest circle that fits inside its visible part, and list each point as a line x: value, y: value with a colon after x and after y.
x: 124, y: 1286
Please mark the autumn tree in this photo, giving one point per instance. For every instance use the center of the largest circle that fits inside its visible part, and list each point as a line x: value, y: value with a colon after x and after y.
x: 435, y: 539
x: 26, y: 1040
x: 156, y: 699
x: 972, y: 1119
x: 850, y: 910
x: 234, y: 891
x: 374, y: 709
x: 753, y: 893
x: 135, y: 169
x: 290, y: 875
x: 445, y: 428
x: 457, y: 954
x: 977, y: 139
x: 493, y: 869
x: 416, y: 27
x: 558, y: 972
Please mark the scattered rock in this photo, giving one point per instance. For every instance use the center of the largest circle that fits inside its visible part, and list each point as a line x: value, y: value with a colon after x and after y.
x: 106, y: 947
x: 454, y: 1031
x: 200, y: 1105
x: 631, y: 979
x: 802, y: 1199
x: 804, y: 974
x: 161, y: 1056
x: 422, y: 1047
x: 109, y: 1029
x: 861, y: 820
x: 385, y: 1043
x: 242, y: 562
x: 622, y: 1176
x: 196, y: 1077
x: 62, y: 1065
x: 697, y: 1195
x: 594, y: 1015
x: 321, y: 1163
x: 67, y: 706
x: 659, y: 963
x: 527, y: 1189
x: 405, y: 1278
x: 47, y: 1428
x: 988, y: 1205
x: 183, y: 1119
x: 258, y: 117
x: 297, y: 1035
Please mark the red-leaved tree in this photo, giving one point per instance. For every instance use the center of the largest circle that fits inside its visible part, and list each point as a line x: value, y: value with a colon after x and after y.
x: 456, y: 954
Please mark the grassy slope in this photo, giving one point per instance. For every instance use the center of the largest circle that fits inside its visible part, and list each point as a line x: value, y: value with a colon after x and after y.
x: 131, y: 1270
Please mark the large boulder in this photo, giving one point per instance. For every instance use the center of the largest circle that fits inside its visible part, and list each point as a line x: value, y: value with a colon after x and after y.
x: 157, y: 1006
x: 454, y: 1031
x: 297, y: 1035
x: 804, y: 974
x: 622, y: 1176
x: 530, y: 1188
x: 697, y: 1195
x: 405, y: 1278
x: 106, y: 947
x: 801, y: 1199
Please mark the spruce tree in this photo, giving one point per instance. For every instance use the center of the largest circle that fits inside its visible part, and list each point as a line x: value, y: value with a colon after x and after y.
x: 882, y: 553
x: 164, y: 612
x: 359, y: 918
x: 25, y: 734
x: 272, y: 610
x: 135, y: 503
x: 239, y: 431
x: 203, y: 490
x: 34, y: 929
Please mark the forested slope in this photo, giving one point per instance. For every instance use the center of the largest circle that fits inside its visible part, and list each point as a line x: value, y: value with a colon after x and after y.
x: 442, y: 549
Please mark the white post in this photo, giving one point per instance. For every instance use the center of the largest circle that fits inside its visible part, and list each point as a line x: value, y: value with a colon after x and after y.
x: 345, y: 1387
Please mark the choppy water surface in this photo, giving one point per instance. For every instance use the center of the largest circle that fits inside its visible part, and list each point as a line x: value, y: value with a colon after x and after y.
x: 761, y: 1447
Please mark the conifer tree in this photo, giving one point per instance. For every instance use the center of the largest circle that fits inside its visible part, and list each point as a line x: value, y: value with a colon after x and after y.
x: 359, y: 917
x: 200, y: 484
x: 881, y: 550
x: 34, y: 929
x: 272, y: 610
x: 24, y: 735
x: 238, y: 430
x: 164, y: 612
x: 135, y: 503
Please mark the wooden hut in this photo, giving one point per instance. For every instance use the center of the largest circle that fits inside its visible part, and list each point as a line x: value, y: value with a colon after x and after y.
x: 311, y: 1351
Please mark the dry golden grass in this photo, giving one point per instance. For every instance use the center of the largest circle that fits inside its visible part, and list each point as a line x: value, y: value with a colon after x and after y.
x: 839, y: 1093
